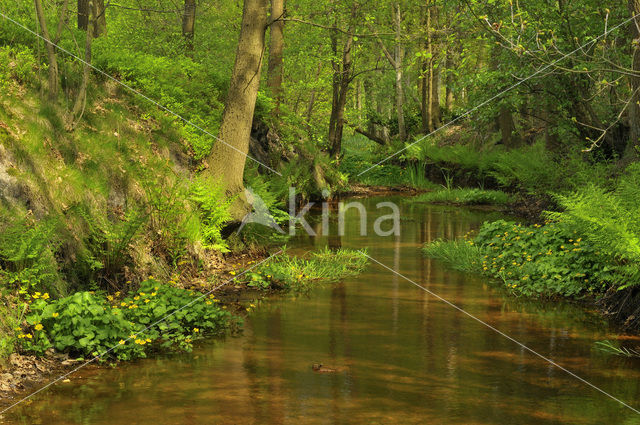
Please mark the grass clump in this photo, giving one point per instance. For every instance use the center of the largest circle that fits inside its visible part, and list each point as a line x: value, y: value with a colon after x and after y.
x: 465, y: 197
x: 291, y: 272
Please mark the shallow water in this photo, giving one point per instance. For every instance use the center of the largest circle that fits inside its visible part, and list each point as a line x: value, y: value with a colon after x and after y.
x: 401, y: 355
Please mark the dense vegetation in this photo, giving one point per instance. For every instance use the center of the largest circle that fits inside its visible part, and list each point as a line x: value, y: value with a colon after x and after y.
x: 123, y: 147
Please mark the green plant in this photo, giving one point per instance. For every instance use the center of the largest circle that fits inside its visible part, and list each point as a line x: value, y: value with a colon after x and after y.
x: 213, y: 208
x: 465, y: 197
x: 289, y: 272
x: 90, y: 324
x: 27, y: 249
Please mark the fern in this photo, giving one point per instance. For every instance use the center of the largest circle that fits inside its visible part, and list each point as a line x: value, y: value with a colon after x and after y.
x: 214, y: 211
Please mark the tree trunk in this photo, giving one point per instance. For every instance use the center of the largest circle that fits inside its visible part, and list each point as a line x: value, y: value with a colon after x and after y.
x: 398, y: 65
x: 99, y: 13
x: 631, y: 152
x: 51, y: 52
x: 83, y: 14
x: 434, y: 74
x: 337, y: 108
x: 189, y: 22
x: 427, y: 91
x: 81, y: 99
x: 227, y: 160
x: 276, y: 47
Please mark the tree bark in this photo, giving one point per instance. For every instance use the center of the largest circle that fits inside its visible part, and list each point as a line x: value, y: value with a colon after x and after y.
x: 398, y: 65
x: 276, y: 48
x: 81, y: 99
x: 227, y: 160
x: 99, y: 13
x: 337, y: 108
x: 434, y: 74
x: 51, y: 52
x: 189, y: 22
x: 631, y: 151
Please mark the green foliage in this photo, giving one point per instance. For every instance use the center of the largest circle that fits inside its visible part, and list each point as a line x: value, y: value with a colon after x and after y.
x: 27, y: 249
x: 530, y: 260
x: 213, y: 209
x: 17, y: 63
x: 465, y: 197
x: 459, y: 254
x: 609, y: 221
x: 542, y: 260
x: 89, y: 324
x: 289, y: 272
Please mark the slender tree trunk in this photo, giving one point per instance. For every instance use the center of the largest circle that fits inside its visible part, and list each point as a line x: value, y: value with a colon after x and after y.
x: 631, y: 152
x: 51, y: 52
x: 427, y: 94
x: 335, y: 87
x: 81, y: 99
x: 276, y: 48
x: 312, y: 97
x: 227, y: 160
x: 398, y: 65
x: 344, y: 80
x: 434, y: 73
x: 189, y: 22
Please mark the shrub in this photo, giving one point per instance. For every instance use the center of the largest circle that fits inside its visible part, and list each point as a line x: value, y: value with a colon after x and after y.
x: 609, y: 221
x: 27, y: 259
x: 530, y: 260
x: 89, y: 324
x: 214, y: 211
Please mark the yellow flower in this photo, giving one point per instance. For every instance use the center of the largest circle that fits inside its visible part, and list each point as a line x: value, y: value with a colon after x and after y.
x: 123, y: 304
x: 28, y: 336
x: 208, y: 303
x: 196, y: 330
x: 39, y: 327
x: 153, y: 294
x: 45, y: 296
x: 55, y: 314
x: 121, y: 342
x: 136, y: 298
x: 132, y: 336
x: 146, y: 301
x: 232, y: 273
x: 109, y: 297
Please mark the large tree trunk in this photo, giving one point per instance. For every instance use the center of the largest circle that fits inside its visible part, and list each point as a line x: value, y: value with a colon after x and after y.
x: 81, y: 99
x: 631, y: 152
x: 189, y: 22
x: 398, y: 65
x: 276, y: 48
x: 227, y: 160
x: 51, y: 52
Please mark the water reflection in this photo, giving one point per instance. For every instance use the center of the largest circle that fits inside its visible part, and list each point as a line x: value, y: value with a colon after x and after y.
x: 401, y: 356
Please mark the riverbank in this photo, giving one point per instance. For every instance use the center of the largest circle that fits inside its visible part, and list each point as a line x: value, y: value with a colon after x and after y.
x: 214, y: 309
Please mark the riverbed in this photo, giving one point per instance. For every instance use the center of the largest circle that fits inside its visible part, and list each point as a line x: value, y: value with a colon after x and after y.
x: 396, y: 354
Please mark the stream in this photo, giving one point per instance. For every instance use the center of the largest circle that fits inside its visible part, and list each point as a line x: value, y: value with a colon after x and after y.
x: 400, y: 355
